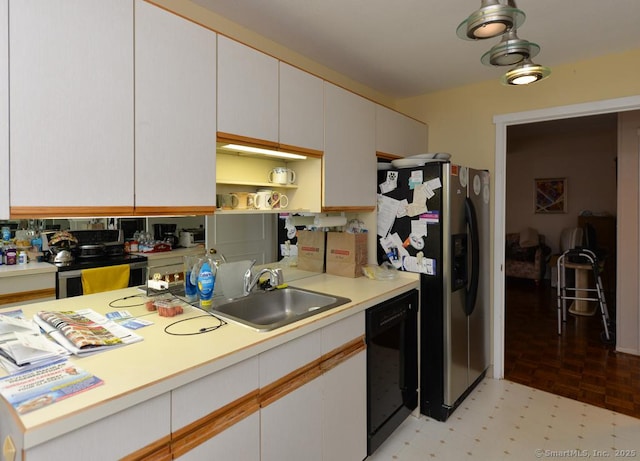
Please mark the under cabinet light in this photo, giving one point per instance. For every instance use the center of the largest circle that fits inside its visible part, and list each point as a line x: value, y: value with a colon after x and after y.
x: 260, y: 150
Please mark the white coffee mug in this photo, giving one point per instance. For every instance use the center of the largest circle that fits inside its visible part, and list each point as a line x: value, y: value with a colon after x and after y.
x: 282, y: 175
x: 263, y: 199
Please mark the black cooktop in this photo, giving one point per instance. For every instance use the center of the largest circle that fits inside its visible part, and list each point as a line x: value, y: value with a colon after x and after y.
x: 91, y: 263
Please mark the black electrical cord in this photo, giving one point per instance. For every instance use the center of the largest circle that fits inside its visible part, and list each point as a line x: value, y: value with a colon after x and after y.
x: 113, y: 303
x: 198, y: 332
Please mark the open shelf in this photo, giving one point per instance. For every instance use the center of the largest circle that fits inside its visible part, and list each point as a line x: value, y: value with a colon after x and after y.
x: 271, y: 185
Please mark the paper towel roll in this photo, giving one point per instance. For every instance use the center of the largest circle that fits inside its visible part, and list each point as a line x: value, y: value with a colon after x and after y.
x: 330, y: 221
x: 302, y: 220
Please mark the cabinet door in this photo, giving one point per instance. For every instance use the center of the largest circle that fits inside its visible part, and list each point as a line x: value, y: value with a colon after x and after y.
x: 240, y: 442
x: 71, y: 107
x: 399, y: 135
x: 301, y: 109
x: 175, y: 83
x: 349, y: 156
x: 247, y: 91
x: 4, y: 111
x: 291, y: 427
x: 344, y: 419
x: 194, y: 405
x: 114, y: 437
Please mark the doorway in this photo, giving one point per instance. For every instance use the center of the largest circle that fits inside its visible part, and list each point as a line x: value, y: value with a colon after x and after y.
x: 617, y: 395
x: 502, y: 122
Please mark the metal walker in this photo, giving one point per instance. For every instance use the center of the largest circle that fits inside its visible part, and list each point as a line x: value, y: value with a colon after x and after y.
x: 581, y: 258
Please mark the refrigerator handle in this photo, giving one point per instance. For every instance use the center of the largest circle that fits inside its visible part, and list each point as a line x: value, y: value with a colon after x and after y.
x: 472, y: 222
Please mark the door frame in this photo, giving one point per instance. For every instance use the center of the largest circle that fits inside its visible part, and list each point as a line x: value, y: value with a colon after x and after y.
x: 501, y: 123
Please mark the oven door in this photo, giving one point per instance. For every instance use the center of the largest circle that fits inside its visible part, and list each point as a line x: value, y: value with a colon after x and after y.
x: 69, y: 283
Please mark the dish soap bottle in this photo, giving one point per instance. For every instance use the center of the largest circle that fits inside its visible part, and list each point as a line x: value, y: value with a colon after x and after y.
x: 206, y: 282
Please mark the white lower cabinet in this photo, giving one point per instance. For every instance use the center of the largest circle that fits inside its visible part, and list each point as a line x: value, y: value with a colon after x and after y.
x: 291, y: 427
x: 344, y: 392
x: 217, y: 416
x: 110, y: 438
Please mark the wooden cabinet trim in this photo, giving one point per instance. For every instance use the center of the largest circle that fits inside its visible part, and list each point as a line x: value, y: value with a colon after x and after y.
x: 198, y: 432
x: 348, y: 209
x: 342, y: 353
x: 173, y: 210
x: 255, y: 142
x: 19, y: 212
x: 289, y: 383
x: 24, y: 296
x: 160, y: 450
x: 387, y: 156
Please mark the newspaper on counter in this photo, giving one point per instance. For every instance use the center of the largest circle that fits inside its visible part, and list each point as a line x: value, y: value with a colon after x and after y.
x: 84, y: 331
x: 42, y: 386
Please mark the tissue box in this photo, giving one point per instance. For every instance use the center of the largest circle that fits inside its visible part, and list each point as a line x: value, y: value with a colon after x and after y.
x: 311, y: 250
x: 346, y: 253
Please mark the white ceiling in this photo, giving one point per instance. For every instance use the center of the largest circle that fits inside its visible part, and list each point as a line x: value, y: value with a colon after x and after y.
x: 404, y: 48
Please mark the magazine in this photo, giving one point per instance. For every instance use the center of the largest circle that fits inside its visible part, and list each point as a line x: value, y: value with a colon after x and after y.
x: 42, y: 386
x: 84, y: 331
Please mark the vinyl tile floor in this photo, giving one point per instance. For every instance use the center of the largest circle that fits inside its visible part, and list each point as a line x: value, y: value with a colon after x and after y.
x: 503, y: 420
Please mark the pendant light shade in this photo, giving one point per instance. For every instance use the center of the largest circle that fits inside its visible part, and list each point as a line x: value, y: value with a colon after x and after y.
x: 525, y: 73
x: 510, y: 51
x: 490, y: 20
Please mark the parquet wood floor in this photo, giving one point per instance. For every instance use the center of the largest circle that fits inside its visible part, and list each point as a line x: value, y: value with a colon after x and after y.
x: 577, y: 364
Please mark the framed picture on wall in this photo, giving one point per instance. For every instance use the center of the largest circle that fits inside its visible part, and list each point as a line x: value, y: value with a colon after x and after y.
x: 551, y: 195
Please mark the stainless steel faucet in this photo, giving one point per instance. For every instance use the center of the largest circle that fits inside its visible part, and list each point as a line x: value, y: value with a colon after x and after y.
x: 275, y: 278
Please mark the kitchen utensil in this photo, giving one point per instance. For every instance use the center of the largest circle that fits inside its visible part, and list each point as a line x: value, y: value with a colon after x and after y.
x: 63, y: 258
x: 282, y: 175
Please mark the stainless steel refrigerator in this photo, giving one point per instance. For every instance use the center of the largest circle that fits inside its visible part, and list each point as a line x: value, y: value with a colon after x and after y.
x: 434, y: 219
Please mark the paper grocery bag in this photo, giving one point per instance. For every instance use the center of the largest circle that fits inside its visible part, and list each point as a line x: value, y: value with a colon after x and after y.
x: 346, y: 253
x: 311, y: 250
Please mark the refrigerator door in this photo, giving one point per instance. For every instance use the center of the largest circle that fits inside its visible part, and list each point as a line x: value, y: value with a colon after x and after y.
x: 479, y: 318
x: 456, y: 345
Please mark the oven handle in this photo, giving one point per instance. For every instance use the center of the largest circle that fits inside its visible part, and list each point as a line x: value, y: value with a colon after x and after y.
x: 77, y: 273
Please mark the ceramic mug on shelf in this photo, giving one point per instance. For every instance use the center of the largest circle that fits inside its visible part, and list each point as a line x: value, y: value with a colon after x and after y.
x: 279, y: 200
x: 282, y: 175
x: 263, y: 200
x: 243, y: 200
x: 227, y: 201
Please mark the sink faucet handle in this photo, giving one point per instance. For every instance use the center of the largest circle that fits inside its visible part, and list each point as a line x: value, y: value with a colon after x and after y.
x: 277, y: 277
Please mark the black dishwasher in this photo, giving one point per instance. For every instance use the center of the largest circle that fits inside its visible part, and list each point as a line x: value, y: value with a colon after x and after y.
x: 392, y: 366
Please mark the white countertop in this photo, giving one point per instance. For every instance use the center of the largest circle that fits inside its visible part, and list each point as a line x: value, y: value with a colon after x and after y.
x: 175, y: 253
x: 32, y: 267
x: 161, y: 362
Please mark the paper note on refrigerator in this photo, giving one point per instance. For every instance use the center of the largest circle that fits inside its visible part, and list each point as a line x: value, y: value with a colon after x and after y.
x: 391, y: 183
x: 387, y: 212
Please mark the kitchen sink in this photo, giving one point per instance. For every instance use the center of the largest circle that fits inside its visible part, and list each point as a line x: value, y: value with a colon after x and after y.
x: 268, y: 310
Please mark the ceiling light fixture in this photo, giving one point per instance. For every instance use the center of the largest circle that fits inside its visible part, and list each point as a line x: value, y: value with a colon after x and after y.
x: 525, y: 73
x: 490, y: 20
x: 510, y: 51
x: 262, y: 151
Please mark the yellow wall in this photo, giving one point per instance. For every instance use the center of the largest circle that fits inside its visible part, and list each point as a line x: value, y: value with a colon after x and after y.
x: 461, y: 119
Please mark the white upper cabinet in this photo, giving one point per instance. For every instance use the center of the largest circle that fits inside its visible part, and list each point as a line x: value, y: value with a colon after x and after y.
x: 71, y: 103
x: 349, y: 179
x: 399, y: 135
x: 247, y: 91
x: 301, y: 109
x: 4, y: 111
x: 175, y: 111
